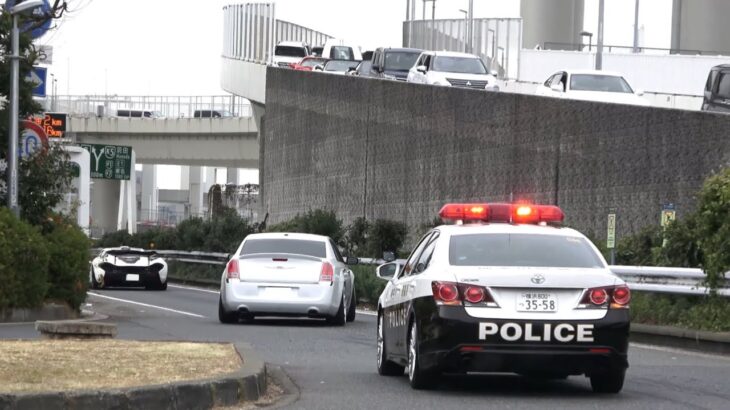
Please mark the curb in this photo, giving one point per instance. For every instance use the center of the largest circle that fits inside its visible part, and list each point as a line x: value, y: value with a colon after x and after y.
x: 696, y: 340
x: 247, y: 384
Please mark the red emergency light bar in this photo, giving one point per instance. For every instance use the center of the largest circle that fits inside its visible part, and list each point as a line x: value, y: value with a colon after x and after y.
x: 509, y: 213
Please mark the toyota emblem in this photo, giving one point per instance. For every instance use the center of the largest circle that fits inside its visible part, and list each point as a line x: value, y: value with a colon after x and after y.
x: 538, y: 279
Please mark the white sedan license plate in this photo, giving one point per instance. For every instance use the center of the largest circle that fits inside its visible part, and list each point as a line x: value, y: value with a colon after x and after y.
x: 537, y: 302
x: 132, y: 278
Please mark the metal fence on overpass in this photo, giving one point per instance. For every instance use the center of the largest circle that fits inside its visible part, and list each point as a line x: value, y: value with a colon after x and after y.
x: 165, y: 106
x: 496, y: 41
x: 251, y: 31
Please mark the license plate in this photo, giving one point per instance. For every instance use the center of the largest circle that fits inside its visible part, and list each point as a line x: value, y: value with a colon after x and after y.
x: 132, y: 278
x: 537, y: 302
x: 278, y: 292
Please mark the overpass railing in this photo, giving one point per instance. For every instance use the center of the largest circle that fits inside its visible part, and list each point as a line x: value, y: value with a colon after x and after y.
x: 251, y: 31
x: 164, y: 106
x: 676, y: 281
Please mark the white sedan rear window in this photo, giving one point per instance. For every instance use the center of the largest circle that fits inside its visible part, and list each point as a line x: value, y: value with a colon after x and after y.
x: 292, y: 246
x: 549, y: 251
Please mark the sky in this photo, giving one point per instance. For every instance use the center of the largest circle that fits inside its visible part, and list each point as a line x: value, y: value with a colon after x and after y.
x: 173, y: 47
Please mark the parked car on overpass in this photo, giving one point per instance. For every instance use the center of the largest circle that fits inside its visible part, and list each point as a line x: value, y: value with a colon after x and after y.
x: 394, y: 63
x: 341, y: 50
x: 288, y: 274
x: 717, y: 90
x: 288, y: 52
x: 340, y: 67
x: 452, y: 69
x: 362, y: 69
x: 591, y: 85
x: 308, y: 63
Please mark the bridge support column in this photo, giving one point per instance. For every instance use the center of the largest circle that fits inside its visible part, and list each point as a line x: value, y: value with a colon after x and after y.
x: 149, y: 193
x: 104, y: 206
x: 232, y: 176
x: 196, y: 188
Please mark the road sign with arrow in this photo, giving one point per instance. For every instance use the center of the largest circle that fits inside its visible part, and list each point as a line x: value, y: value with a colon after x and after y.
x: 37, y: 77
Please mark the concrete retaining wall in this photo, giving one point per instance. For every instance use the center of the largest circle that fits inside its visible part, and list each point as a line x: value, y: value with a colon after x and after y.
x: 384, y: 149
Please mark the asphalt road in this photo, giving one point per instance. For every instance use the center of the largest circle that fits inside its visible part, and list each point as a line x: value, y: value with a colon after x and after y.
x: 335, y: 367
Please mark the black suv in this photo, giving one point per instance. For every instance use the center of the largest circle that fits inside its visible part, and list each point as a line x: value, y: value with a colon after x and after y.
x: 717, y: 90
x: 393, y: 63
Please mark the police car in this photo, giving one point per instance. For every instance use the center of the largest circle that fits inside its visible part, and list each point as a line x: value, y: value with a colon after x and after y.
x: 504, y: 289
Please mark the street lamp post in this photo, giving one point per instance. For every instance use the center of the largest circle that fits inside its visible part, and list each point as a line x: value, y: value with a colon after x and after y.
x: 470, y: 28
x: 466, y: 29
x: 599, y: 46
x: 12, y: 171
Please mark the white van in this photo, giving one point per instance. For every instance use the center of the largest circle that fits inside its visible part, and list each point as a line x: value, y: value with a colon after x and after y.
x: 290, y: 52
x: 341, y: 50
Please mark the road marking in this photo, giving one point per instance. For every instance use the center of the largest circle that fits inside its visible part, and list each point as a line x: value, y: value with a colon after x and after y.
x: 146, y: 305
x: 367, y: 313
x: 678, y: 351
x: 191, y: 288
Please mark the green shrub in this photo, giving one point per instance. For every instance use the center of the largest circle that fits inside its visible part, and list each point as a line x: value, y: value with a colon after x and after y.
x: 23, y: 263
x: 113, y: 239
x: 357, y: 236
x: 68, y: 271
x: 368, y: 287
x: 385, y: 236
x: 713, y: 226
x: 194, y: 271
x: 693, y: 312
x: 639, y: 249
x: 317, y: 222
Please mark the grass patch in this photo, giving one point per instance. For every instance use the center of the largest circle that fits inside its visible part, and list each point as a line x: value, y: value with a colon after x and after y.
x: 59, y: 365
x: 691, y: 312
x: 194, y: 271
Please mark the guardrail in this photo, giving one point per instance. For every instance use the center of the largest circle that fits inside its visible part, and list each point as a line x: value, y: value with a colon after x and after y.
x: 677, y: 281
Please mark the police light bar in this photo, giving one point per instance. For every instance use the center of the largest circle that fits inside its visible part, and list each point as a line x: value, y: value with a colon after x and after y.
x: 509, y: 213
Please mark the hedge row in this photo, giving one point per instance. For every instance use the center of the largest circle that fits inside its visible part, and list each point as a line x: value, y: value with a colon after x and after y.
x: 41, y: 264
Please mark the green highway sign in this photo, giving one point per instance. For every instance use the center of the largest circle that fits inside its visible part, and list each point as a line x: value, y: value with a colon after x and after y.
x: 110, y: 161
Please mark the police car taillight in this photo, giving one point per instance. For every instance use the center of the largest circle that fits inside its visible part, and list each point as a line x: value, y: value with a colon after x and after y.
x: 327, y: 273
x: 615, y: 297
x: 232, y: 271
x: 509, y: 213
x: 458, y: 294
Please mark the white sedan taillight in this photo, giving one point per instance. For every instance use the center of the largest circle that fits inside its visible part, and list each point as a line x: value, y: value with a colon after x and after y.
x: 232, y: 269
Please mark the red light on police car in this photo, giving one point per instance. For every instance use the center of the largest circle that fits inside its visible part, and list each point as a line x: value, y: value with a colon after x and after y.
x: 445, y: 293
x: 474, y: 294
x: 598, y: 296
x: 471, y: 212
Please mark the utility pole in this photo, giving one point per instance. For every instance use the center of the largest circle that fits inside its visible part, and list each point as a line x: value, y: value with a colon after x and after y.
x: 470, y: 28
x: 433, y: 25
x: 407, y: 43
x: 599, y: 47
x: 13, y: 136
x: 636, y: 27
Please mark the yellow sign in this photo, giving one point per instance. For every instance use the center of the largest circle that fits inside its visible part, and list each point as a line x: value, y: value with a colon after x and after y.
x: 668, y: 216
x: 611, y: 240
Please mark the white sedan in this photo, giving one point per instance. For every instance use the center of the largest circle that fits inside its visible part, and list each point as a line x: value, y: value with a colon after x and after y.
x: 288, y: 274
x: 131, y: 267
x: 590, y: 85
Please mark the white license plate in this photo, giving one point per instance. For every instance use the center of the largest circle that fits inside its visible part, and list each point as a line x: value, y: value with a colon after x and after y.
x: 278, y: 292
x: 537, y: 302
x: 132, y: 278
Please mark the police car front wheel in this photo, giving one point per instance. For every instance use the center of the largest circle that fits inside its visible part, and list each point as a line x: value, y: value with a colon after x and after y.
x: 608, y: 382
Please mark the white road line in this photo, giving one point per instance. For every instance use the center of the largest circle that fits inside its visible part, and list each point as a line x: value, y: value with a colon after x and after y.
x: 192, y: 288
x: 146, y: 305
x: 367, y: 313
x: 679, y: 351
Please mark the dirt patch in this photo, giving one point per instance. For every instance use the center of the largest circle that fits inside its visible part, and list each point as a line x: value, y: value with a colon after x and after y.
x: 63, y: 365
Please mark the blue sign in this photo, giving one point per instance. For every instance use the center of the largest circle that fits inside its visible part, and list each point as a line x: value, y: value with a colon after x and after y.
x: 37, y: 77
x: 41, y: 21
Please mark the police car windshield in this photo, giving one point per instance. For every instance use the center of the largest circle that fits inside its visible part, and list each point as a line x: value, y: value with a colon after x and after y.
x: 293, y: 246
x: 548, y: 251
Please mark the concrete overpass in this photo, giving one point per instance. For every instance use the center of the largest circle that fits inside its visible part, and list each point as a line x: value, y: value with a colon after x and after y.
x: 215, y: 142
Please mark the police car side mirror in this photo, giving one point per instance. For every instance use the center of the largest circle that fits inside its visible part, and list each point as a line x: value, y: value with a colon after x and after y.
x: 387, y: 271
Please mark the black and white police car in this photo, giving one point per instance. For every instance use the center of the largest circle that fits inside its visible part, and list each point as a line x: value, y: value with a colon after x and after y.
x: 505, y: 289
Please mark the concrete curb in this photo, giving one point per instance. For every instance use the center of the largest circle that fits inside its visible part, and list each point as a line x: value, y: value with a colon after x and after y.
x: 697, y: 340
x: 247, y: 384
x: 49, y: 311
